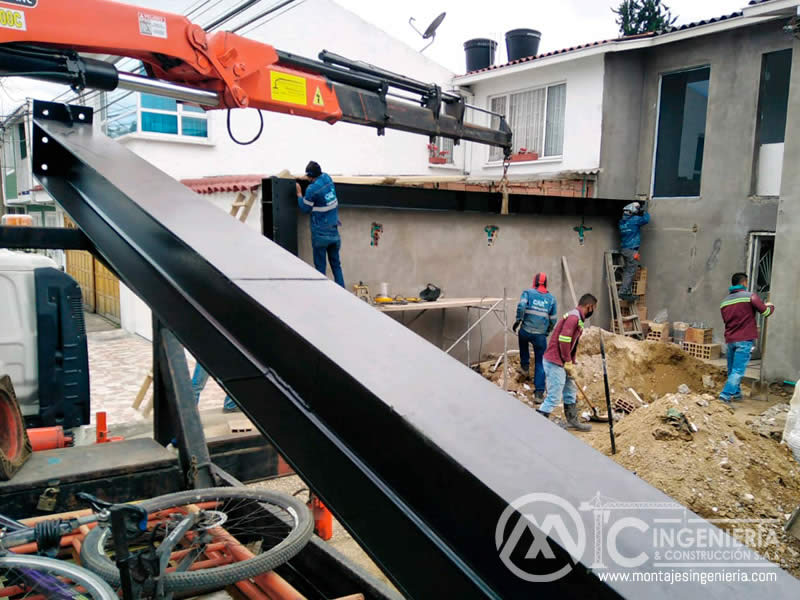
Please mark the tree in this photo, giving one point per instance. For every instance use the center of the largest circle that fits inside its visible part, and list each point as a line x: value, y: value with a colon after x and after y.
x: 641, y: 16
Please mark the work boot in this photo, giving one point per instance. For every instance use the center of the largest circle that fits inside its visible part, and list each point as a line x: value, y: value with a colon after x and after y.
x: 522, y: 373
x: 544, y: 414
x: 571, y: 412
x: 538, y: 397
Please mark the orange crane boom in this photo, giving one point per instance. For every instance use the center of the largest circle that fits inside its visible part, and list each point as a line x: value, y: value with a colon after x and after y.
x: 43, y: 39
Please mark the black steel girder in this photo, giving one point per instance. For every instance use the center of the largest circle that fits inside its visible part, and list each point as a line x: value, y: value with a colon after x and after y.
x: 50, y: 238
x: 415, y: 454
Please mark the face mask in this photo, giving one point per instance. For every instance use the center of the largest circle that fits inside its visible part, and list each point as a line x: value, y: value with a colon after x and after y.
x: 589, y: 314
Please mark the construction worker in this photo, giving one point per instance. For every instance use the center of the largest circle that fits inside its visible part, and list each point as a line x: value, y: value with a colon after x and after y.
x: 634, y: 217
x: 741, y: 331
x: 559, y: 363
x: 320, y: 200
x: 536, y: 317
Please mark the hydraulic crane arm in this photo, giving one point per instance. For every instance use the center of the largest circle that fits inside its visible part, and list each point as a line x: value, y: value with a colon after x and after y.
x: 42, y: 39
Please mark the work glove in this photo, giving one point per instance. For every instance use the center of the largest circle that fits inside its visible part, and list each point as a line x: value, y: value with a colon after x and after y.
x: 515, y: 326
x: 570, y: 369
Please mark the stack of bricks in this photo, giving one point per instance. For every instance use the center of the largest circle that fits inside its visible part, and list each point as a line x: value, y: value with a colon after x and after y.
x: 658, y: 332
x: 697, y: 343
x: 640, y: 284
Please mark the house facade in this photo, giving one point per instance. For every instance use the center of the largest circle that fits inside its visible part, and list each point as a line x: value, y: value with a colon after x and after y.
x: 188, y: 143
x: 699, y: 128
x: 696, y: 121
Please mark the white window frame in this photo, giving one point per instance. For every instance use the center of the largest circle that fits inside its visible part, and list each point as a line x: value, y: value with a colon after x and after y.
x: 658, y: 122
x: 451, y: 161
x: 507, y: 95
x: 179, y: 112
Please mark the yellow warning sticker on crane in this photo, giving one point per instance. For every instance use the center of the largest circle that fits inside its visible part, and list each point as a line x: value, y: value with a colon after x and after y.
x: 288, y: 88
x: 318, y: 98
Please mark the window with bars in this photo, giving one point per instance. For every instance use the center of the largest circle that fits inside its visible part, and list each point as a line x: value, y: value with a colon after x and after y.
x: 536, y: 118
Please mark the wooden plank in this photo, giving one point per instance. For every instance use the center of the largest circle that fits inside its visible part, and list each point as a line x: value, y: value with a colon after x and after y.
x: 438, y: 305
x: 88, y: 462
x: 569, y: 280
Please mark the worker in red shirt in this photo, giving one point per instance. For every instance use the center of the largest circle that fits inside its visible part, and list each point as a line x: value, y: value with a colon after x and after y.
x: 741, y: 331
x: 559, y: 363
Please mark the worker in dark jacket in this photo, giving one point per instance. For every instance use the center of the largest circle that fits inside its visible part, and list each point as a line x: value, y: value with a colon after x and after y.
x: 536, y: 317
x: 320, y: 200
x: 741, y: 331
x: 634, y: 217
x: 559, y: 362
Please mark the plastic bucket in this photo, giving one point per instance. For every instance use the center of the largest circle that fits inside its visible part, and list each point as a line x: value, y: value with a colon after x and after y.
x: 480, y: 53
x: 522, y: 43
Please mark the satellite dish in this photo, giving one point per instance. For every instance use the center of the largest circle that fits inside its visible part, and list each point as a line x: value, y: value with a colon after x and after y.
x: 430, y: 32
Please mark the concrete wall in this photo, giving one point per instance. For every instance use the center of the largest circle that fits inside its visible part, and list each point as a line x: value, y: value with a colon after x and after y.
x: 450, y: 250
x: 693, y: 245
x: 290, y: 142
x: 783, y: 343
x: 623, y: 88
x: 582, y: 127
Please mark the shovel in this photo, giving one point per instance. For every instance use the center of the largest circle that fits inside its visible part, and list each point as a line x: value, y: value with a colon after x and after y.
x: 595, y: 414
x: 760, y: 388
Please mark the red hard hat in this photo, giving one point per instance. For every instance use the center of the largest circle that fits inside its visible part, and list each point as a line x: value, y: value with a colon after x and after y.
x: 540, y: 282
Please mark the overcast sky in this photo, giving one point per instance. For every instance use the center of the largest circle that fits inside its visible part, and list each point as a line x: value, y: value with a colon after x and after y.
x: 563, y: 23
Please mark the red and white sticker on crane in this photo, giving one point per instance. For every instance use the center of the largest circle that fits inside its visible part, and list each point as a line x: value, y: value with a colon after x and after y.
x: 152, y: 25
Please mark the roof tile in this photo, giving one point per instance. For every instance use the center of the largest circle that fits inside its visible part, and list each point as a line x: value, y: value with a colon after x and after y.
x: 223, y: 183
x: 621, y: 39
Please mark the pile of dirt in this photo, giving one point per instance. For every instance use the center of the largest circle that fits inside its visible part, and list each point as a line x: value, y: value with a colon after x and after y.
x: 710, y: 463
x: 702, y: 455
x: 651, y: 369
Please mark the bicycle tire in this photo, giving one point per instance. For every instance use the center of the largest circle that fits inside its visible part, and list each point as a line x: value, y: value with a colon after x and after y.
x: 95, y: 587
x: 94, y: 557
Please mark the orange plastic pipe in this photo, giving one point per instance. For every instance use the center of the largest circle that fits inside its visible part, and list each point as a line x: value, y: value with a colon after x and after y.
x: 275, y: 586
x: 247, y: 588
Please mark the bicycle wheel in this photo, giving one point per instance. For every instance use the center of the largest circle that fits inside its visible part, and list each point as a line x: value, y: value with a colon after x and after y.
x: 261, y: 542
x: 24, y: 576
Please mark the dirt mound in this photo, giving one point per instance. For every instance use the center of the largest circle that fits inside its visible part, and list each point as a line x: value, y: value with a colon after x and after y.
x: 652, y: 369
x: 701, y: 455
x: 723, y: 470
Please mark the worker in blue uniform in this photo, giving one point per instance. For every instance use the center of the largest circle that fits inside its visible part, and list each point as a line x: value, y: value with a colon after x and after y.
x: 634, y: 217
x: 321, y: 202
x: 537, y: 314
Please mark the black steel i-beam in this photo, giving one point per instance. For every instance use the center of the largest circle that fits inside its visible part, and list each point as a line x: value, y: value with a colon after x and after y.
x: 416, y: 455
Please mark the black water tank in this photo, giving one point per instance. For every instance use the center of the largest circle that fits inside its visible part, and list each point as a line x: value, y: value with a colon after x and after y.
x: 480, y: 53
x: 522, y: 43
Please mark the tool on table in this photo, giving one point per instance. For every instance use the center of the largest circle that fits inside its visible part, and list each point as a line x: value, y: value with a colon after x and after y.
x: 431, y: 293
x: 608, y: 395
x: 362, y: 292
x: 594, y: 415
x: 390, y: 300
